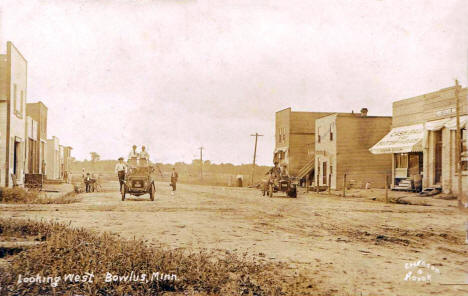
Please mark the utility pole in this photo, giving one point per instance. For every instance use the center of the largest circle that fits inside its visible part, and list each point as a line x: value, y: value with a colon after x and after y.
x: 458, y: 158
x: 201, y: 162
x: 255, y: 155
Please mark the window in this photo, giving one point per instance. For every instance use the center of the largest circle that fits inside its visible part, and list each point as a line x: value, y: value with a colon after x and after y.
x: 401, y: 160
x: 15, y: 99
x: 464, y: 149
x: 21, y: 102
x: 331, y: 133
x: 318, y: 135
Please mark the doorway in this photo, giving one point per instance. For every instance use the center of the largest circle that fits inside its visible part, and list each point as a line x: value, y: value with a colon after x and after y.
x: 324, y: 174
x: 438, y: 157
x: 16, y: 158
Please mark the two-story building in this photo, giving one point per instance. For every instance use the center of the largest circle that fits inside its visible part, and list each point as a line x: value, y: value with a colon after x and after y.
x: 38, y: 113
x: 342, y: 142
x: 53, y: 159
x: 13, y: 93
x: 422, y: 141
x: 295, y: 141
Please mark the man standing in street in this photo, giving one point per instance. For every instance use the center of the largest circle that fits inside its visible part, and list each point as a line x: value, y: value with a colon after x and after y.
x: 121, y: 170
x: 174, y: 177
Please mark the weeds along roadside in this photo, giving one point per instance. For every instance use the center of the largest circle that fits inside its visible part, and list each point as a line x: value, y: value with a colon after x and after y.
x: 20, y: 195
x: 67, y: 250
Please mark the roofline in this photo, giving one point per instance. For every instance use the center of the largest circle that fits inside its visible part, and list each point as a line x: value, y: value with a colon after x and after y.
x: 429, y: 93
x: 9, y: 43
x: 38, y: 102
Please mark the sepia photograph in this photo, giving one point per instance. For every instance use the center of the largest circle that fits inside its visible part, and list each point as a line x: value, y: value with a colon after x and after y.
x: 233, y: 147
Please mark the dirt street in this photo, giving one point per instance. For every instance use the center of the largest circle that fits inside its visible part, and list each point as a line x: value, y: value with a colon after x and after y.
x: 351, y: 246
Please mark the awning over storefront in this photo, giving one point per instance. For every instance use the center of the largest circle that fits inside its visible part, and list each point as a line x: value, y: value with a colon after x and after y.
x: 452, y: 123
x: 436, y: 125
x: 401, y: 140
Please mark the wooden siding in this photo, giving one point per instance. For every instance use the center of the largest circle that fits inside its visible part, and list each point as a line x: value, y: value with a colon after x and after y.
x: 354, y: 136
x: 427, y: 107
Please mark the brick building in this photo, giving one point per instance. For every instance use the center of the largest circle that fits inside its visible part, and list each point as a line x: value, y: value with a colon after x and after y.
x: 422, y: 141
x: 342, y: 145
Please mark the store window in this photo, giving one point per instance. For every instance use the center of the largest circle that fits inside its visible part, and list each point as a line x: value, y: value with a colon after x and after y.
x: 401, y: 160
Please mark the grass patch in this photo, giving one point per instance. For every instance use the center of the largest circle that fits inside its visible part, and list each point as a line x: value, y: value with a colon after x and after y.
x: 67, y: 250
x: 20, y: 195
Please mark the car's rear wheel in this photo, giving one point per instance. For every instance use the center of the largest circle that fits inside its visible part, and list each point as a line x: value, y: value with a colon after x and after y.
x: 123, y: 192
x: 152, y: 192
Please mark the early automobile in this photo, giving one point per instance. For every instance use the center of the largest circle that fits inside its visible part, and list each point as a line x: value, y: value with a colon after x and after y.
x: 288, y: 185
x: 139, y: 181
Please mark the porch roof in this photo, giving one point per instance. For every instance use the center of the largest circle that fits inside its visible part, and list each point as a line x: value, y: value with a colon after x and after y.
x: 401, y: 140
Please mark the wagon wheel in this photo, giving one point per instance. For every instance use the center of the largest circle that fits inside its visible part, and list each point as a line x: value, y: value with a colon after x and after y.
x: 123, y: 191
x: 270, y: 190
x: 152, y: 192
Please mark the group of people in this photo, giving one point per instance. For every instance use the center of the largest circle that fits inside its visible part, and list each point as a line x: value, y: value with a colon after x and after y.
x: 88, y: 180
x: 139, y: 159
x: 278, y: 172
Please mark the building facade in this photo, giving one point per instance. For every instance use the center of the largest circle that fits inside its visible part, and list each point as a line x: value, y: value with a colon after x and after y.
x: 38, y: 112
x: 423, y: 143
x: 67, y: 160
x: 342, y: 148
x: 53, y: 163
x: 32, y: 145
x: 295, y: 141
x: 13, y: 93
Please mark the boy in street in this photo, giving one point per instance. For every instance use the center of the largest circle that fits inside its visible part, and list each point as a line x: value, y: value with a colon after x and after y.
x: 174, y: 177
x: 121, y: 170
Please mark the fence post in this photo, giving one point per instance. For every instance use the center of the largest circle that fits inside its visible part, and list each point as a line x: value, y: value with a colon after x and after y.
x: 386, y: 188
x: 344, y: 186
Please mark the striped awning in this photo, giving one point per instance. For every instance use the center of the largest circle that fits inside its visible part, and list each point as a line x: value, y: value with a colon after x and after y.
x: 452, y: 123
x: 401, y: 140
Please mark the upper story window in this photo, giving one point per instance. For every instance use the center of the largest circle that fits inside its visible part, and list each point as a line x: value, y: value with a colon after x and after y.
x: 318, y: 135
x: 21, y: 102
x: 15, y: 95
x: 18, y: 104
x: 282, y: 135
x: 331, y: 132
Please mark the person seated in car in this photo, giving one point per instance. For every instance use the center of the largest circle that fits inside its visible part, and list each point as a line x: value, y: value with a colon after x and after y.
x: 133, y: 157
x: 144, y: 157
x: 284, y: 174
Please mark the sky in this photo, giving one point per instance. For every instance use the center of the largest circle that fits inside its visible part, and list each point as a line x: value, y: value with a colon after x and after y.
x: 177, y: 75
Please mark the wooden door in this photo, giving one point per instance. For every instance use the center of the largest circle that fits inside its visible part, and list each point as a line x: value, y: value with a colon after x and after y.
x: 324, y: 174
x: 438, y: 157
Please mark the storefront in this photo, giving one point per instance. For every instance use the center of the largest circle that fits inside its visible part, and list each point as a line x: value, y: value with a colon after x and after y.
x: 423, y: 142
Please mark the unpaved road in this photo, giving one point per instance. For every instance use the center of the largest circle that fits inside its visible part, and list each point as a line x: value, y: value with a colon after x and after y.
x: 351, y: 246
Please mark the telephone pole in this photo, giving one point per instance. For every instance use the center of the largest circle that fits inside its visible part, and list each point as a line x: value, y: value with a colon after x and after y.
x: 201, y: 162
x: 458, y: 144
x: 255, y: 155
